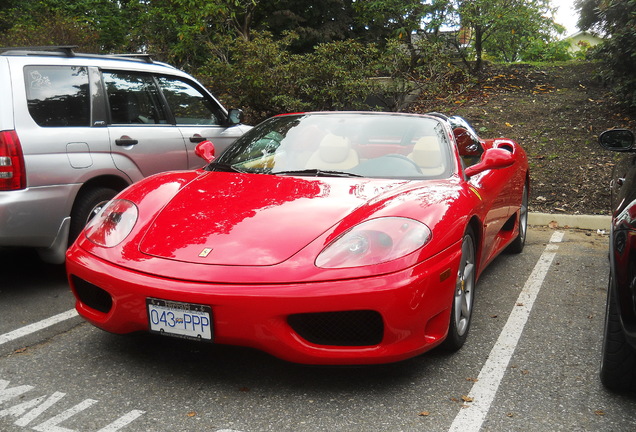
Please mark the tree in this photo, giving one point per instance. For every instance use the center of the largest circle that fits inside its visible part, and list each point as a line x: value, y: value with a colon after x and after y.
x: 93, y: 25
x: 616, y: 19
x: 503, y: 26
x: 180, y: 31
x: 589, y: 18
x: 265, y: 77
x: 408, y: 22
x: 526, y: 29
x: 313, y: 21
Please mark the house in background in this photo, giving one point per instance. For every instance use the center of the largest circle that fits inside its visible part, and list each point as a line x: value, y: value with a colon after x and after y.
x: 582, y: 40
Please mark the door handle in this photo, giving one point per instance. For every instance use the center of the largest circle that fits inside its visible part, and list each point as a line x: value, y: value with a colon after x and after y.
x: 125, y: 141
x: 197, y: 138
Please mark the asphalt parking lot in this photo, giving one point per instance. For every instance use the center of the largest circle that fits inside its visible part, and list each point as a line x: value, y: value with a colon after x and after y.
x: 530, y: 363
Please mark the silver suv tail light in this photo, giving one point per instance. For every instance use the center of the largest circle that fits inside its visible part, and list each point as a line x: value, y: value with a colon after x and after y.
x: 12, y: 175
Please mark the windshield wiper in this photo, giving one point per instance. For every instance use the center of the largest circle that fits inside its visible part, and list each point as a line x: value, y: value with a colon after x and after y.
x: 223, y: 168
x: 317, y: 173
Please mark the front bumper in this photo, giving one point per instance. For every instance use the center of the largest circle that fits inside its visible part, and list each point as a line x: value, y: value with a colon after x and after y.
x: 411, y: 308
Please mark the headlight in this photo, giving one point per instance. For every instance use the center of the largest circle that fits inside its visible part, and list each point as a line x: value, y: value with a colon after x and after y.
x: 374, y: 242
x: 112, y: 224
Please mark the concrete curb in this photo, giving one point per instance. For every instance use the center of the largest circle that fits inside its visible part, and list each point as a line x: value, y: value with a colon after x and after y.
x: 588, y: 222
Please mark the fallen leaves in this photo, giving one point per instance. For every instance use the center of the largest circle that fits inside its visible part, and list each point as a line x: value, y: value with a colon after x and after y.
x: 559, y: 134
x: 543, y: 88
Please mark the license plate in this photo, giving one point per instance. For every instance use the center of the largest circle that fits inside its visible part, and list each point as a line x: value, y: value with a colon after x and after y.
x: 184, y: 320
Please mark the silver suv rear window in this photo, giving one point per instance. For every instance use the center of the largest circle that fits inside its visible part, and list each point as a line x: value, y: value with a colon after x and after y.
x: 58, y: 96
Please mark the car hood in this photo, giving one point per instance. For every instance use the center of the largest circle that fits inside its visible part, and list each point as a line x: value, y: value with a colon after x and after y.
x: 252, y: 219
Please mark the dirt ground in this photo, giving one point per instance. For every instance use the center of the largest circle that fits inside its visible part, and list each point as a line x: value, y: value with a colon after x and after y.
x: 556, y: 112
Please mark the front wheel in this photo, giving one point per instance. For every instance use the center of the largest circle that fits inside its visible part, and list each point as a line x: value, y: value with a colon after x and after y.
x: 462, y: 306
x: 618, y: 357
x: 87, y: 204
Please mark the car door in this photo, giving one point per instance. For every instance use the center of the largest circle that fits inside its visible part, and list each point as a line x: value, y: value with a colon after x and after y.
x: 142, y: 139
x: 198, y: 116
x: 495, y: 189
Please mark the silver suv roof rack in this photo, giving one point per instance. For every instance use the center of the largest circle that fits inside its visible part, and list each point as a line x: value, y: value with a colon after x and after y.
x: 68, y: 51
x: 64, y: 49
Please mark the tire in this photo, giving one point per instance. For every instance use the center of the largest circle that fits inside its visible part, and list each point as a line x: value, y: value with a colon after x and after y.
x: 87, y: 204
x: 519, y: 242
x: 463, y: 296
x: 618, y: 358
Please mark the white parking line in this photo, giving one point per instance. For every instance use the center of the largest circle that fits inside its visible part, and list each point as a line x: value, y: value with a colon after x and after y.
x: 32, y: 328
x: 26, y: 412
x: 483, y: 392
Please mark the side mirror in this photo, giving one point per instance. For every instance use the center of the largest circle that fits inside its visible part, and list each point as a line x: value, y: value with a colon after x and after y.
x: 493, y: 158
x: 621, y: 140
x: 205, y: 150
x: 235, y: 116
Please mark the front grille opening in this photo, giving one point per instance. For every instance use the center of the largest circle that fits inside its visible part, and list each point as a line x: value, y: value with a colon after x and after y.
x: 92, y: 295
x: 346, y: 328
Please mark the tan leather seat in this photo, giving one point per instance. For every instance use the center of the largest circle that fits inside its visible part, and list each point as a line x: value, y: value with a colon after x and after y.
x: 427, y: 154
x: 334, y: 153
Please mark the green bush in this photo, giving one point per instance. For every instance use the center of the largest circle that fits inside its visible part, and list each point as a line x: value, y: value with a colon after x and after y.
x: 619, y: 57
x: 265, y: 78
x: 541, y: 51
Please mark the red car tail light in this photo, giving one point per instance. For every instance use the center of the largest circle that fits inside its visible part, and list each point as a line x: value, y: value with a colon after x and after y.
x: 12, y: 172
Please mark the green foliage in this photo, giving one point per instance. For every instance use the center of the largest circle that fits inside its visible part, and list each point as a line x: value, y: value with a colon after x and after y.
x: 541, y: 51
x: 93, y: 25
x: 617, y: 20
x: 314, y: 21
x: 263, y: 76
x: 335, y: 75
x: 386, y: 19
x: 434, y: 71
x: 271, y: 56
x: 51, y: 29
x: 504, y: 28
x: 180, y: 31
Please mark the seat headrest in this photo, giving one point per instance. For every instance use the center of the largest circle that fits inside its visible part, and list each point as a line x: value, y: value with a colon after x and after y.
x: 427, y: 153
x: 334, y: 148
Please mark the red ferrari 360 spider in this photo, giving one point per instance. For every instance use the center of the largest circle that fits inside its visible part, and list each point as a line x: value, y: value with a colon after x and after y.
x: 320, y: 238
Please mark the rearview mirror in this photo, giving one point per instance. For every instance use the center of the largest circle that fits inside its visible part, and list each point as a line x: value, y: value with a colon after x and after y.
x: 205, y: 150
x: 493, y: 158
x: 617, y: 140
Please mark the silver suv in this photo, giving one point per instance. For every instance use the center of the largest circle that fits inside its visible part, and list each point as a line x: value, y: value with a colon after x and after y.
x: 75, y: 129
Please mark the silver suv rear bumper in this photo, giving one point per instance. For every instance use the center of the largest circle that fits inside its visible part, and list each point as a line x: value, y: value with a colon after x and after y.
x: 22, y: 222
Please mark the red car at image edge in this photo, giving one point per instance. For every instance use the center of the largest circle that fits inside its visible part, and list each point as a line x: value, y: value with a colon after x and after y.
x: 320, y: 238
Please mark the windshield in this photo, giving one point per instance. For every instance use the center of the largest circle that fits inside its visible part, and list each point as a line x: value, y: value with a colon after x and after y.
x: 342, y: 144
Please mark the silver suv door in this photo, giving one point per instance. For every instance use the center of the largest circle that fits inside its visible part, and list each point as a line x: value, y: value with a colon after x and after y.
x: 143, y: 142
x: 198, y: 116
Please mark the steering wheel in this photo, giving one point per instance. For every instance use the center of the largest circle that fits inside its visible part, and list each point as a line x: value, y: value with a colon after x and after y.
x: 404, y: 158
